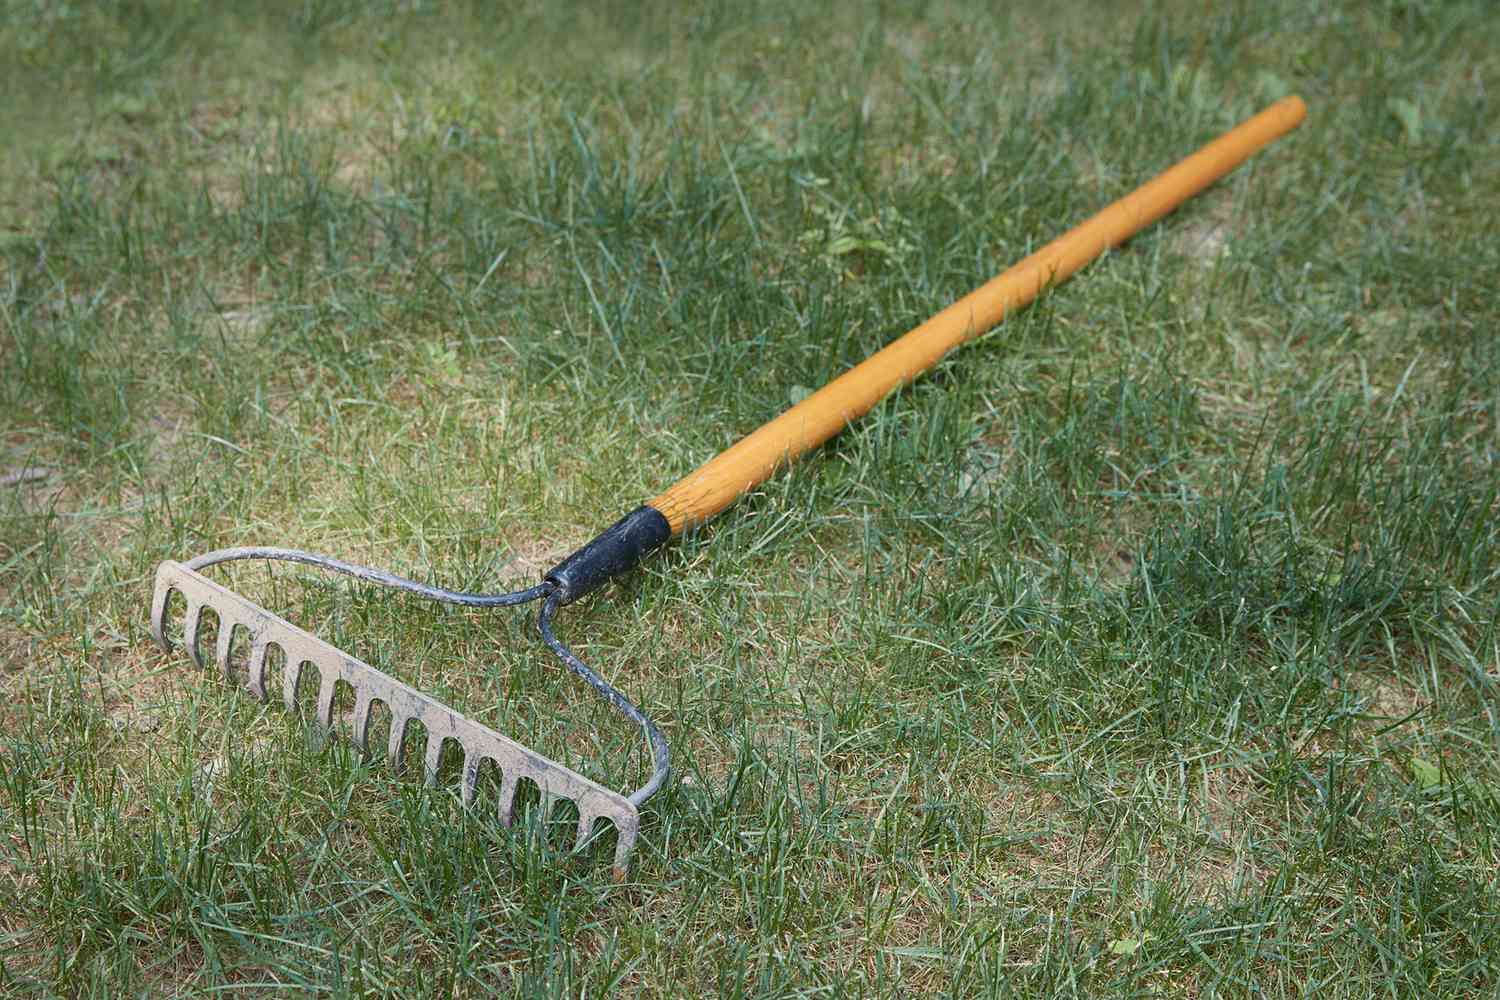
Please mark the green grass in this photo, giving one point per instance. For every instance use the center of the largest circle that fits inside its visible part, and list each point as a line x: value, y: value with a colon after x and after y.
x: 1147, y: 647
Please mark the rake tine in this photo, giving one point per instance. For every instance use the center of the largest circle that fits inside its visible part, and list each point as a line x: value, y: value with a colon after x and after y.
x: 397, y: 742
x: 256, y: 682
x: 221, y: 648
x: 289, y: 678
x: 470, y: 782
x: 585, y: 827
x: 328, y: 682
x: 624, y: 842
x: 361, y: 727
x: 159, y: 598
x: 505, y: 810
x: 190, y: 626
x: 434, y: 757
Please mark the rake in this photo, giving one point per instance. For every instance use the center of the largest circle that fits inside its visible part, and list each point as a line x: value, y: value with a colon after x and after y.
x: 692, y: 501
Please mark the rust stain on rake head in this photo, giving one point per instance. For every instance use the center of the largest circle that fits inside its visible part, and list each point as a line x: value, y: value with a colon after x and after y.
x: 406, y: 704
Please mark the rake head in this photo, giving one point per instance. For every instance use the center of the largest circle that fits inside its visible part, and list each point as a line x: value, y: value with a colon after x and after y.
x: 302, y: 651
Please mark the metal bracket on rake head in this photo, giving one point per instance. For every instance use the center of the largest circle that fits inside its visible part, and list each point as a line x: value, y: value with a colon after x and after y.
x: 406, y: 704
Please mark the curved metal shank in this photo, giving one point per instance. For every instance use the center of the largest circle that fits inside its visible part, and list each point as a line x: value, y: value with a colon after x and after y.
x: 479, y: 742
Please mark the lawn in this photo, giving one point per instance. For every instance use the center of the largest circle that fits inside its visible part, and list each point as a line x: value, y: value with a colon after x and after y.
x: 1146, y: 647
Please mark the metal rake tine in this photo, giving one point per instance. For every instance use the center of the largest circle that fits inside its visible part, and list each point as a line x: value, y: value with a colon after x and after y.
x: 585, y: 829
x: 433, y: 758
x: 328, y: 682
x: 505, y: 809
x: 221, y: 647
x: 159, y: 597
x: 290, y: 676
x: 360, y: 732
x: 397, y: 742
x: 624, y: 843
x: 256, y: 682
x: 192, y: 622
x: 470, y: 783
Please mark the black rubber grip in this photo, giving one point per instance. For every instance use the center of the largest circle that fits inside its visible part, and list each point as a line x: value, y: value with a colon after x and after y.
x: 617, y: 549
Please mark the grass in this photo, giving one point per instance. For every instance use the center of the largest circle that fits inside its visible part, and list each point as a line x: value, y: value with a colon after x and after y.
x: 1146, y: 647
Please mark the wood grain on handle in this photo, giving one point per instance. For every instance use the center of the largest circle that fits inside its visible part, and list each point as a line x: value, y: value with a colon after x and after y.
x: 718, y: 482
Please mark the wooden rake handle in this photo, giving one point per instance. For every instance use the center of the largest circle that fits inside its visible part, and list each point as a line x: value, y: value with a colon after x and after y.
x: 718, y: 482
